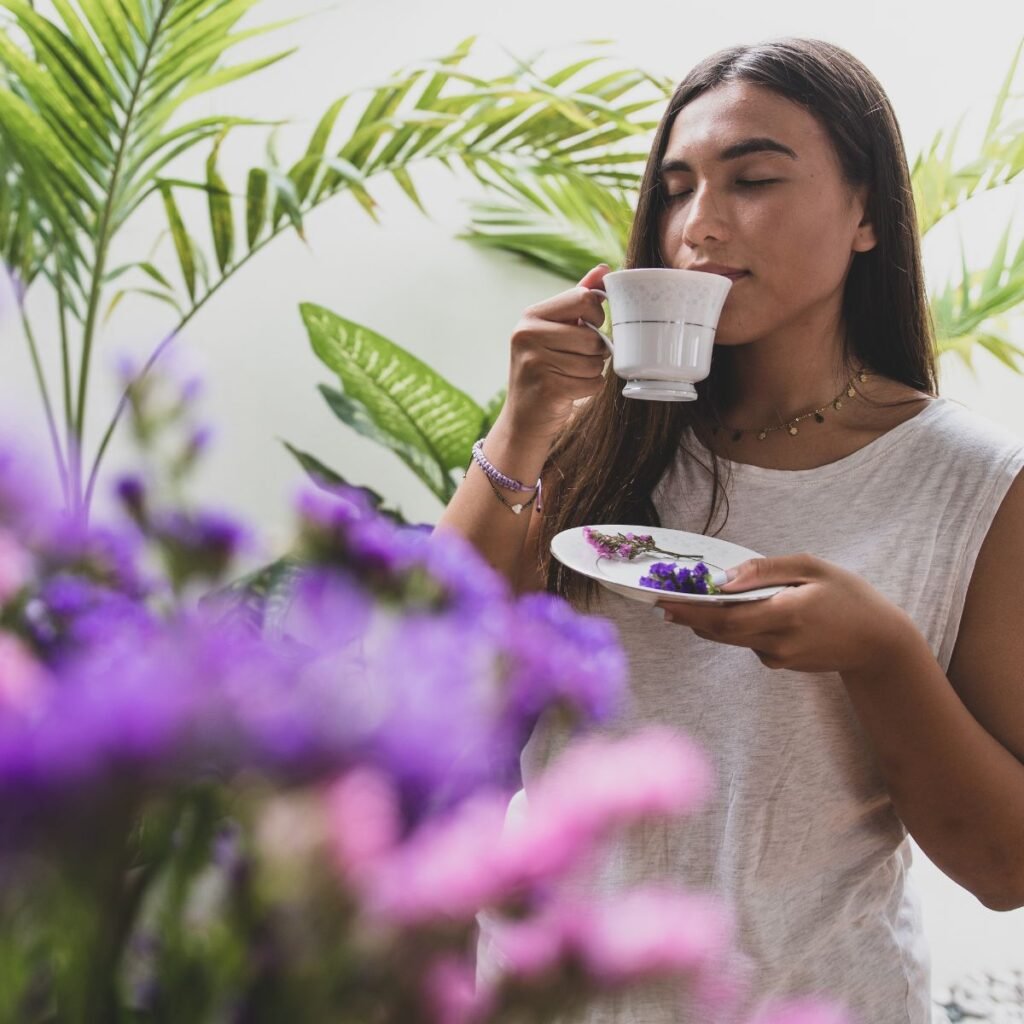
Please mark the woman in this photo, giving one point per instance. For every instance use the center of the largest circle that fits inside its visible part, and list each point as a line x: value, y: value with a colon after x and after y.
x: 884, y: 692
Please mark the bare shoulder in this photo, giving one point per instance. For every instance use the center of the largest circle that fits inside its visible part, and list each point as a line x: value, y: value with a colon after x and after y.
x: 986, y: 666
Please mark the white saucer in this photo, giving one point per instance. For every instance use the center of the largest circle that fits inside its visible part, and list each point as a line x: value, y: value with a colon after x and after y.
x: 620, y: 576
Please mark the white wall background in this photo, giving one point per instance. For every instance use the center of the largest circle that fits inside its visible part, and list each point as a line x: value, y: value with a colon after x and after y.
x: 454, y: 306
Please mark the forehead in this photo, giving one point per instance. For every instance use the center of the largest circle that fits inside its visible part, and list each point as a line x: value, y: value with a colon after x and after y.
x: 735, y: 111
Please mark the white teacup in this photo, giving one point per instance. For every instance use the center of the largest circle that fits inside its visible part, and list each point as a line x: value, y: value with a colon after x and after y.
x: 663, y: 322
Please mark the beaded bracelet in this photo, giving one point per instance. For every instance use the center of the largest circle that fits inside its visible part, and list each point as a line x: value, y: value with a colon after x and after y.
x: 496, y: 476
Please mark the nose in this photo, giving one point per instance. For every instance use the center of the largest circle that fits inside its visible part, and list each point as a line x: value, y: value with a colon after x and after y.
x: 705, y: 219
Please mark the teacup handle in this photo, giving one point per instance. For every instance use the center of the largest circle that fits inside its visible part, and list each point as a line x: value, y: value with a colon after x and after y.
x: 586, y: 323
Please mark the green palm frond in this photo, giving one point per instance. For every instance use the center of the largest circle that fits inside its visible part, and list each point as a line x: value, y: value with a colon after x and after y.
x: 502, y: 131
x: 571, y: 225
x: 973, y: 310
x: 87, y: 100
x: 941, y: 184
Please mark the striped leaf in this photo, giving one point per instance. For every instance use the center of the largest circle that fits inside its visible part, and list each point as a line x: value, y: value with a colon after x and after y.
x: 431, y: 422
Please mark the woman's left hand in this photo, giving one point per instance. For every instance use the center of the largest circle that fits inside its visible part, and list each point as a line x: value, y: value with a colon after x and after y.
x: 831, y: 620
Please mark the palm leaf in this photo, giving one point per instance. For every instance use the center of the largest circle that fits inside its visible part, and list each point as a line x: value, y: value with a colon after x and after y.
x: 941, y: 184
x: 569, y: 227
x: 969, y: 311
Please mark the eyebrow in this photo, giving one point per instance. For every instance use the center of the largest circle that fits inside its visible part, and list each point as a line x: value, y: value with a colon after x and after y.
x: 759, y: 144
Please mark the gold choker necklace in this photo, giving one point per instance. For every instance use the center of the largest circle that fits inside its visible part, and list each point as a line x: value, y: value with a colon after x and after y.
x: 790, y: 426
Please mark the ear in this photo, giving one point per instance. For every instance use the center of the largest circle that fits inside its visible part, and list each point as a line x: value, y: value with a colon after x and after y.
x: 864, y: 238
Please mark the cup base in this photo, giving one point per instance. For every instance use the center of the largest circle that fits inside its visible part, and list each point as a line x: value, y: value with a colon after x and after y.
x: 661, y: 390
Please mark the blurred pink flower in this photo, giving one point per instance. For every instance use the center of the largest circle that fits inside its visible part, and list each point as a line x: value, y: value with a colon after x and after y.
x: 363, y: 819
x: 652, y: 932
x: 803, y: 1011
x: 450, y: 990
x: 598, y: 786
x: 446, y: 870
x: 459, y: 863
x: 15, y: 565
x: 532, y: 946
x: 23, y: 681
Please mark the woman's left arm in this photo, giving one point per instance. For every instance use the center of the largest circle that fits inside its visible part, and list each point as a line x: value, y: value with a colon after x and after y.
x: 951, y: 747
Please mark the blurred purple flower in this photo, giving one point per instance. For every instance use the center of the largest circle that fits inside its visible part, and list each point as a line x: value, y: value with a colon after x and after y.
x: 28, y: 507
x: 557, y: 655
x: 101, y: 554
x: 197, y: 544
x: 71, y: 614
x: 131, y: 493
x: 412, y: 566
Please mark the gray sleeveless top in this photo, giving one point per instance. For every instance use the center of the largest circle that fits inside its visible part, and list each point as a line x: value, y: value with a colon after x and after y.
x: 801, y: 840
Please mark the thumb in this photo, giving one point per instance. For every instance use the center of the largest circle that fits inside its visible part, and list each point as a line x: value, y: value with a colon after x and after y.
x: 769, y: 572
x: 593, y: 278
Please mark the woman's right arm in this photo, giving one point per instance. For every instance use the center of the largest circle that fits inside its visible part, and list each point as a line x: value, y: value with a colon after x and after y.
x: 554, y: 361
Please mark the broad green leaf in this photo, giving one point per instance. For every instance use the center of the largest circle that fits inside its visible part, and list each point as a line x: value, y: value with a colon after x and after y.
x: 356, y: 415
x: 330, y: 480
x: 320, y: 474
x: 491, y: 412
x: 406, y: 398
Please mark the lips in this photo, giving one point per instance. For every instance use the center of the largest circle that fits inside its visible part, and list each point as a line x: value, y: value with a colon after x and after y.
x: 733, y: 273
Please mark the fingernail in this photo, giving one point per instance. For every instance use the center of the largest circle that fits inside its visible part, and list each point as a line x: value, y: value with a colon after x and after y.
x: 719, y: 577
x: 661, y: 613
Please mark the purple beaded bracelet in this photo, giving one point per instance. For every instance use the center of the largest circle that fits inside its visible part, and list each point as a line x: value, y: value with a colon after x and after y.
x: 498, y: 477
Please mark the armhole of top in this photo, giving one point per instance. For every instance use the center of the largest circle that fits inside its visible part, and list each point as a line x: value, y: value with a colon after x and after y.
x: 990, y: 503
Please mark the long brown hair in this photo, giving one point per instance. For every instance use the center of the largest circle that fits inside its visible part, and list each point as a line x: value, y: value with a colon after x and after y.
x: 614, y: 451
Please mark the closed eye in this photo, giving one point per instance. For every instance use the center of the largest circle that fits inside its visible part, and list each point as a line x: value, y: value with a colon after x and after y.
x: 746, y: 182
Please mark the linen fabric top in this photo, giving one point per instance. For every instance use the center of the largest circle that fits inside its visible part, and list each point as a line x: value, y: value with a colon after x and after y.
x: 801, y: 840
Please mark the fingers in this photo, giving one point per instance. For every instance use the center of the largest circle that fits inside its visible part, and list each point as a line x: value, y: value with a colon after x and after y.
x: 735, y: 620
x: 766, y: 572
x: 557, y: 337
x: 570, y: 306
x: 593, y: 277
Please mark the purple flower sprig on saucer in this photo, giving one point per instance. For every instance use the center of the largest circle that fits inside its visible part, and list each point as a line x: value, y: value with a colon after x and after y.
x: 668, y: 576
x: 626, y: 545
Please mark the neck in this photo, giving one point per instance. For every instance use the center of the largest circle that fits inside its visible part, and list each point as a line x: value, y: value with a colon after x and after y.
x: 777, y: 379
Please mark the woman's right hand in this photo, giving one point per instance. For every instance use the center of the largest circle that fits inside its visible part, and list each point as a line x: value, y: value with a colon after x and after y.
x: 555, y: 359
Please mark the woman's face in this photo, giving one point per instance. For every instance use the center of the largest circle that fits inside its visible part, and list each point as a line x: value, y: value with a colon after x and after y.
x: 753, y: 183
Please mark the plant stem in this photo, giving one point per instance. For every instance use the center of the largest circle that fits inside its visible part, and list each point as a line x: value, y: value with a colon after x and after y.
x: 156, y: 353
x: 69, y: 412
x: 47, y: 407
x: 103, y: 239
